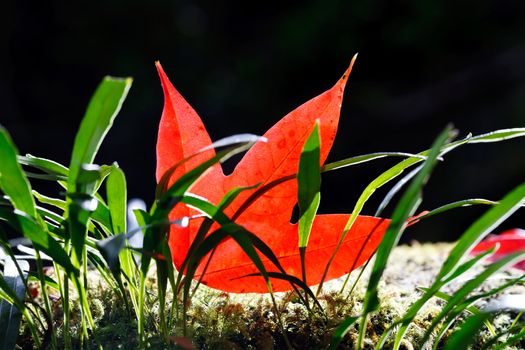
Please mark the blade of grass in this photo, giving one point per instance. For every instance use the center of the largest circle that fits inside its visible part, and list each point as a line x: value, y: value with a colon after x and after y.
x: 396, y: 188
x: 116, y: 193
x: 46, y: 165
x: 468, y: 306
x: 10, y: 316
x: 235, y: 140
x: 367, y: 158
x: 101, y: 111
x: 13, y: 182
x: 26, y: 225
x: 98, y: 119
x: 378, y: 182
x: 341, y: 331
x: 464, y: 337
x: 486, y: 224
x: 459, y: 204
x: 511, y: 340
x: 466, y: 289
x: 327, y: 167
x: 207, y: 223
x: 498, y: 135
x: 143, y: 219
x: 407, y: 206
x: 308, y: 190
x: 10, y: 296
x: 476, y: 232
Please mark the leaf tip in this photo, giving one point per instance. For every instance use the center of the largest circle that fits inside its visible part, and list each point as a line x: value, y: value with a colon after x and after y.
x: 160, y: 71
x: 346, y: 74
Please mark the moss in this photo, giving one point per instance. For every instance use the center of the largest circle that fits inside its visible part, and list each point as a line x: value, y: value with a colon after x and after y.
x: 218, y: 320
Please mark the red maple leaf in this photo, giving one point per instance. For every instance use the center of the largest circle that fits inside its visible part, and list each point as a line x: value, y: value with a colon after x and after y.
x: 182, y: 133
x: 509, y: 241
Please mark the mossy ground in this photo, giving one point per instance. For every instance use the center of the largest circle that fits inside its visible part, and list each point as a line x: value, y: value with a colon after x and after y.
x: 219, y: 320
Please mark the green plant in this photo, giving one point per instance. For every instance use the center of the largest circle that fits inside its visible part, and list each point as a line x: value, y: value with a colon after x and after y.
x: 86, y: 229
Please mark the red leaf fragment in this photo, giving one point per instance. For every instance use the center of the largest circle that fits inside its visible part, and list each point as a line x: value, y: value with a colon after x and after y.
x: 182, y: 133
x: 510, y: 241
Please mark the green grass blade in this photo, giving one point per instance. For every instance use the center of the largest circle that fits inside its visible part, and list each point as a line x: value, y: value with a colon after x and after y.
x: 341, y: 331
x: 482, y: 227
x: 116, y: 211
x: 13, y: 286
x: 467, y: 305
x: 327, y: 167
x: 367, y: 158
x: 143, y: 219
x: 101, y: 111
x: 55, y: 202
x: 498, y: 135
x: 80, y: 207
x: 464, y: 267
x: 217, y: 215
x: 168, y: 198
x: 378, y: 182
x: 228, y: 198
x: 101, y: 214
x: 407, y: 206
x: 467, y: 288
x: 477, y: 231
x: 111, y: 248
x: 33, y: 276
x: 46, y: 165
x: 446, y: 297
x: 26, y: 225
x: 186, y: 180
x: 464, y: 337
x: 294, y: 281
x: 116, y: 192
x: 454, y: 205
x: 309, y: 184
x: 308, y: 190
x: 396, y: 188
x: 13, y: 182
x: 235, y: 141
x: 511, y: 340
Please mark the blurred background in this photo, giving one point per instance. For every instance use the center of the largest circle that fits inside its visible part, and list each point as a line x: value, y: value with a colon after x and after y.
x: 421, y: 65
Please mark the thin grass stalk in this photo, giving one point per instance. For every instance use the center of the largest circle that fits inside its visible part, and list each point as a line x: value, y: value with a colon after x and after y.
x: 162, y: 307
x: 278, y: 315
x: 10, y: 296
x: 140, y: 325
x: 465, y: 305
x: 406, y: 207
x: 477, y: 231
x: 302, y: 254
x: 492, y: 341
x: 45, y: 297
x: 511, y: 340
x: 65, y: 300
x: 363, y: 268
x: 32, y: 326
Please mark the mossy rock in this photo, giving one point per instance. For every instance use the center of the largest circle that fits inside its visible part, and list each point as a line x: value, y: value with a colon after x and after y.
x: 218, y: 320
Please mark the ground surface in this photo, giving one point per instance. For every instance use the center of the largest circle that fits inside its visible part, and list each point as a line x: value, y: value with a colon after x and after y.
x: 248, y: 321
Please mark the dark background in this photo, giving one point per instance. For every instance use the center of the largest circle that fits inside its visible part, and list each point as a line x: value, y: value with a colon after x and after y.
x: 244, y: 65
